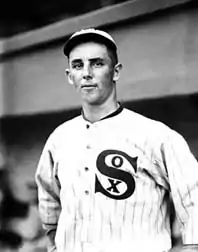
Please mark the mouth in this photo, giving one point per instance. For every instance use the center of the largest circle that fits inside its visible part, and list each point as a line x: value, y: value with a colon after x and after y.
x: 88, y: 86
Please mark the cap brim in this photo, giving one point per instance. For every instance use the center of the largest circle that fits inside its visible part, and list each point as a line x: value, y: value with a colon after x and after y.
x: 81, y: 38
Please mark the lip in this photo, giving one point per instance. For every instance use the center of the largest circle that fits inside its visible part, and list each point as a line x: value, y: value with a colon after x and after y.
x: 88, y: 86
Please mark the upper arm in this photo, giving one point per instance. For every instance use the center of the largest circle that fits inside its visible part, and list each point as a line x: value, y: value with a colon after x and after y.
x: 182, y: 172
x: 48, y: 186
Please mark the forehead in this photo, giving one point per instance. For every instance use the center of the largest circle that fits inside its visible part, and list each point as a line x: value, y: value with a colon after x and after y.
x: 88, y: 50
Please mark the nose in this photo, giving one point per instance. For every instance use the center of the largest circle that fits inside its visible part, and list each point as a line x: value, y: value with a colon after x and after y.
x: 87, y: 72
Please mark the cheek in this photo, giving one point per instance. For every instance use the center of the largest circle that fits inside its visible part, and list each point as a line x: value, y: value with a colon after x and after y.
x: 75, y: 79
x: 104, y: 75
x: 107, y: 78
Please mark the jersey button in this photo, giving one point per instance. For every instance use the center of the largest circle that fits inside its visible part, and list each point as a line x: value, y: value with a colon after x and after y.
x: 86, y: 168
x: 88, y: 146
x: 86, y: 192
x: 87, y: 126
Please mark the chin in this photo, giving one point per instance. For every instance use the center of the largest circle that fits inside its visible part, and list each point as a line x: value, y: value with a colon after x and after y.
x: 91, y: 100
x: 93, y: 103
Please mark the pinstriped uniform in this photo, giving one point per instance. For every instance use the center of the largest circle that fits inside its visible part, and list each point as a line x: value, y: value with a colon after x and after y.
x: 115, y: 179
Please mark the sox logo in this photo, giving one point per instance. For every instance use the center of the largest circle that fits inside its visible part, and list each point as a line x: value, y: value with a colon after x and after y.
x: 115, y: 175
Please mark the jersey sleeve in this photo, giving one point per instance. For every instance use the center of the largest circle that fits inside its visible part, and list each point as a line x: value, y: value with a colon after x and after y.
x: 182, y: 170
x: 48, y: 192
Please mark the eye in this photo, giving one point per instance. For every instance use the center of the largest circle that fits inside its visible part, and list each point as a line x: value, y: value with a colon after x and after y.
x: 77, y: 65
x: 98, y: 64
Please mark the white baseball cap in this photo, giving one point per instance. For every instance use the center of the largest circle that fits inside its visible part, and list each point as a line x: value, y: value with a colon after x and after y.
x: 89, y: 34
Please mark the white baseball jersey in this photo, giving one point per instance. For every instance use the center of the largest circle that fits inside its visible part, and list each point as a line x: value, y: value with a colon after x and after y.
x: 107, y: 185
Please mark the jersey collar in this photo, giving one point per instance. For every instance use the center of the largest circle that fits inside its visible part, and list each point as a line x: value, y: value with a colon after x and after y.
x: 116, y: 112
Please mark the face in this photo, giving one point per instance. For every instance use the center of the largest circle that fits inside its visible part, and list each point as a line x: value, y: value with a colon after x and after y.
x: 92, y: 73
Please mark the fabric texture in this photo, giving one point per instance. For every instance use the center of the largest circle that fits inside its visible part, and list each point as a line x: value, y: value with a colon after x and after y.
x: 106, y: 186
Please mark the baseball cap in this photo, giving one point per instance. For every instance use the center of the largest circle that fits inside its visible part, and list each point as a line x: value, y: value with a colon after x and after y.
x: 89, y: 34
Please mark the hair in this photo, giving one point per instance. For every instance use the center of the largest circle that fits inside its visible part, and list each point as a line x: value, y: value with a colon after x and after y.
x: 112, y: 55
x: 111, y: 52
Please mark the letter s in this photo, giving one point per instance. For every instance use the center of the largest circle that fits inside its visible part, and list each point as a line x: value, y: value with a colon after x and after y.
x: 116, y: 174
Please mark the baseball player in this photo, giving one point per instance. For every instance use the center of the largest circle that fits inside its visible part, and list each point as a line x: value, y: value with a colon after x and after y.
x: 108, y: 178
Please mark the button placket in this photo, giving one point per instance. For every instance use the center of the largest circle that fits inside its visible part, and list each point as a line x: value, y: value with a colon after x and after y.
x: 89, y: 135
x: 88, y: 175
x: 88, y: 178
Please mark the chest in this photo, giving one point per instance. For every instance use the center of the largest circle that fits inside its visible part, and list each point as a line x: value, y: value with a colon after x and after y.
x: 106, y: 166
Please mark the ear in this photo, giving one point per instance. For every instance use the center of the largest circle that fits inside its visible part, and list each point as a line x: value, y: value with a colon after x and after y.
x: 70, y: 80
x: 117, y: 70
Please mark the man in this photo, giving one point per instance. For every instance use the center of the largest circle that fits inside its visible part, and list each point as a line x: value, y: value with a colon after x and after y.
x: 108, y: 178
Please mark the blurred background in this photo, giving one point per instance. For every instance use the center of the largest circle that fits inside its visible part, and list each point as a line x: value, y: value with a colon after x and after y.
x: 158, y: 46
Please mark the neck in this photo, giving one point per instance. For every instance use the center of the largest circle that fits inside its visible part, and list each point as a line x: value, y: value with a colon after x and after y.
x: 94, y: 113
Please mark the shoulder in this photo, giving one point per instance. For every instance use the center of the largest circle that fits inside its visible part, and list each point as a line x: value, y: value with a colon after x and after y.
x: 67, y: 125
x: 143, y: 122
x: 150, y: 129
x: 154, y: 136
x: 65, y: 130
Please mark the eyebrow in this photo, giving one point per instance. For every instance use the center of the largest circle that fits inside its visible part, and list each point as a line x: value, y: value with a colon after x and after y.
x: 97, y: 59
x: 76, y: 61
x: 91, y: 60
